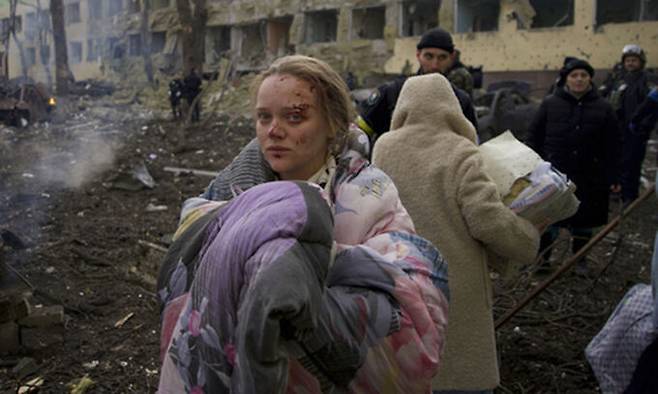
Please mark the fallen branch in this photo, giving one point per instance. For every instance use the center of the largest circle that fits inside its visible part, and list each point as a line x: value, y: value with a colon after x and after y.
x: 152, y: 245
x: 179, y: 170
x: 576, y: 257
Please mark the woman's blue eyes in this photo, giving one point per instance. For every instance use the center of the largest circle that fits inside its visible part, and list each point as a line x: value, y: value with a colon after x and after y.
x: 293, y: 118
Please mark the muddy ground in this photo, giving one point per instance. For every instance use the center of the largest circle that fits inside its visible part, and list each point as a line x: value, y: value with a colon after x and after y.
x: 93, y: 234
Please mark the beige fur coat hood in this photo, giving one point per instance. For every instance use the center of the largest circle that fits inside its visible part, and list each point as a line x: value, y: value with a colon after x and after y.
x: 433, y: 159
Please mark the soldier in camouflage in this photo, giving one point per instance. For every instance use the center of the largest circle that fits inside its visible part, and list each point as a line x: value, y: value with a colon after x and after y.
x: 459, y: 75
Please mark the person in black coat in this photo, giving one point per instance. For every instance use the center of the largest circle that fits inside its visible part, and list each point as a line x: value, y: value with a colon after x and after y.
x: 192, y: 84
x: 577, y: 132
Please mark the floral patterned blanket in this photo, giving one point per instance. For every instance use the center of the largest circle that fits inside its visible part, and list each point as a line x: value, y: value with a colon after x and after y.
x: 261, y: 294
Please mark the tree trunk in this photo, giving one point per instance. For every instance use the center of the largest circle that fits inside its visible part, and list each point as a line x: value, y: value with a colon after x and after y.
x: 62, y: 72
x: 146, y: 41
x: 193, y: 23
x: 42, y: 41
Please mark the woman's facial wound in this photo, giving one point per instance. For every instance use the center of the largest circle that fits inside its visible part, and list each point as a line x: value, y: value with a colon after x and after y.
x: 578, y: 81
x: 292, y: 132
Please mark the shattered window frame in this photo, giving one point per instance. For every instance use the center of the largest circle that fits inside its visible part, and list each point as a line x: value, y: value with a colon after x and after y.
x: 75, y: 49
x: 158, y: 4
x: 134, y: 6
x: 218, y: 40
x: 114, y: 7
x: 95, y: 9
x: 72, y: 13
x: 115, y: 49
x: 328, y: 18
x: 625, y: 11
x: 44, y: 54
x: 94, y: 49
x: 158, y: 41
x: 251, y: 31
x: 476, y: 22
x: 30, y: 56
x: 18, y: 23
x: 363, y: 16
x: 44, y: 20
x: 135, y: 45
x: 30, y: 25
x: 416, y: 25
x: 561, y: 15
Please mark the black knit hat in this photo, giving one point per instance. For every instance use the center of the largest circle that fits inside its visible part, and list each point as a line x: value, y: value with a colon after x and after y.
x: 575, y: 64
x: 436, y: 38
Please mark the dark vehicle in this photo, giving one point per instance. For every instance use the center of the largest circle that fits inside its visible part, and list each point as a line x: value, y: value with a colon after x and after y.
x: 22, y: 103
x: 505, y: 106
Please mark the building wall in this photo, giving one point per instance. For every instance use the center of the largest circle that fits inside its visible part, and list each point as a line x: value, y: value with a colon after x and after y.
x: 534, y: 53
x: 514, y: 49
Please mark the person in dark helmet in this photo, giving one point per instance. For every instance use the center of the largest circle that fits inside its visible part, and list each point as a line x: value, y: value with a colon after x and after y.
x: 434, y: 53
x: 626, y: 94
x: 577, y: 132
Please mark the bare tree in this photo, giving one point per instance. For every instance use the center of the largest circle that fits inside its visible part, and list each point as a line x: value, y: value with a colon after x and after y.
x: 62, y: 71
x: 193, y: 18
x: 44, y: 51
x: 146, y: 40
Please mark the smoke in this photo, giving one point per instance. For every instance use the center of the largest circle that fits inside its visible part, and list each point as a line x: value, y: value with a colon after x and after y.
x: 81, y: 161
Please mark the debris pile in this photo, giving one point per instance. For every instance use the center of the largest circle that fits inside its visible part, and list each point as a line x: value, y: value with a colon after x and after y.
x: 24, y: 327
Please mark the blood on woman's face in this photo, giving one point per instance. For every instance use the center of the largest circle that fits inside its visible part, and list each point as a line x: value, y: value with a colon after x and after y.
x: 291, y: 129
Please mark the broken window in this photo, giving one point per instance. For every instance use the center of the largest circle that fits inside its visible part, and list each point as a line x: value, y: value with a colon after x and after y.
x: 30, y: 57
x: 619, y: 11
x: 552, y: 13
x: 95, y: 9
x: 477, y: 15
x: 368, y: 23
x: 160, y: 4
x: 134, y: 6
x: 252, y: 44
x: 218, y: 41
x: 93, y: 49
x: 72, y: 13
x: 75, y: 50
x: 44, y: 53
x: 30, y: 25
x: 114, y: 7
x: 134, y: 44
x: 321, y: 26
x: 158, y: 41
x: 419, y: 16
x: 45, y: 23
x: 278, y: 31
x: 115, y: 49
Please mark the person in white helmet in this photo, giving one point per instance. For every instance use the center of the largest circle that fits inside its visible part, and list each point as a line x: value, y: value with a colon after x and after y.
x: 626, y: 90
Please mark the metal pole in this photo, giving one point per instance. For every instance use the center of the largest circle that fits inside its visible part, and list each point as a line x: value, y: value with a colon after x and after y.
x: 576, y: 257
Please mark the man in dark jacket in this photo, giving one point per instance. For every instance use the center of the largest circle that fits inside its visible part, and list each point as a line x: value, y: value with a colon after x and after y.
x: 626, y: 93
x: 192, y: 84
x: 434, y: 54
x: 576, y: 131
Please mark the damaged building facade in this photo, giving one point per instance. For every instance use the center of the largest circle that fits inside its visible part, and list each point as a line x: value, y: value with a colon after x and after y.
x: 525, y: 39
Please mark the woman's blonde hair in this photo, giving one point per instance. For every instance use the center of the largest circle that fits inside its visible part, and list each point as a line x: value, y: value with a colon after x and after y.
x: 331, y: 92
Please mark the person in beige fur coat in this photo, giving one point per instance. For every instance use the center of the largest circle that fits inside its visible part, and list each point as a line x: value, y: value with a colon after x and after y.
x: 432, y: 157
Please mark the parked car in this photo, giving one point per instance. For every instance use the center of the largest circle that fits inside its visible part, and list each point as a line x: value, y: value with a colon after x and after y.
x: 23, y: 102
x: 505, y: 106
